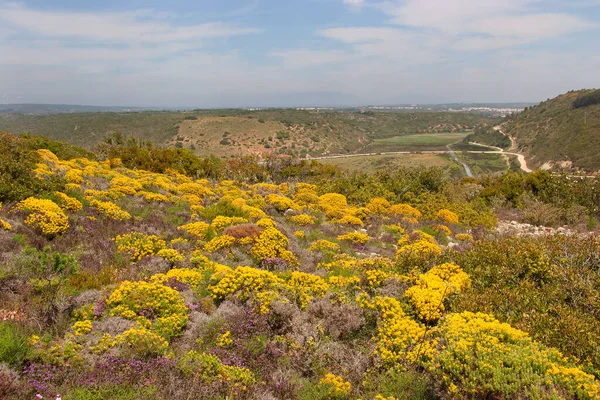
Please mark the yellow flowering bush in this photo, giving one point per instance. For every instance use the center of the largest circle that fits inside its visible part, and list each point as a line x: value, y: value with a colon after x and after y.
x: 482, y: 355
x: 44, y: 215
x: 142, y: 342
x: 332, y: 201
x: 447, y: 216
x: 220, y: 222
x: 68, y: 203
x: 171, y: 255
x: 188, y: 276
x: 199, y: 229
x: 111, y: 210
x: 208, y: 368
x: 195, y: 189
x: 6, y: 226
x: 224, y: 340
x: 442, y: 228
x: 338, y: 387
x: 266, y: 223
x: 272, y: 243
x: 406, y: 211
x: 354, y: 237
x: 433, y: 287
x: 325, y: 246
x: 244, y: 282
x: 299, y: 234
x: 464, y: 237
x: 82, y: 327
x: 281, y: 203
x: 138, y: 245
x: 303, y: 219
x: 348, y: 220
x: 378, y: 206
x: 218, y: 243
x: 306, y: 287
x: 418, y: 249
x: 154, y: 197
x: 159, y: 307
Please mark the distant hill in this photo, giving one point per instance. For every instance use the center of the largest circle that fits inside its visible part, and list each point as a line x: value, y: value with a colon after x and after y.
x: 233, y: 132
x: 45, y: 109
x: 564, y: 131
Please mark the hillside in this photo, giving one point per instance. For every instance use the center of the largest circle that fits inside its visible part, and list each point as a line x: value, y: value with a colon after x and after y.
x: 233, y: 132
x: 557, y: 133
x: 305, y: 282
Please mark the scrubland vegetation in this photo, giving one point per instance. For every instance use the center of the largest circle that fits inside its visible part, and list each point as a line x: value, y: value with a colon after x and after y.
x: 565, y: 128
x: 136, y: 272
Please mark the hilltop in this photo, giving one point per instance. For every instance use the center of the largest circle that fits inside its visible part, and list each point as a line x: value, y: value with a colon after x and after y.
x: 560, y: 132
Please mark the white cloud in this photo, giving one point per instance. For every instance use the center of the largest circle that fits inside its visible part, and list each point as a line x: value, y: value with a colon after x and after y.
x: 141, y: 27
x: 354, y: 3
x: 302, y: 58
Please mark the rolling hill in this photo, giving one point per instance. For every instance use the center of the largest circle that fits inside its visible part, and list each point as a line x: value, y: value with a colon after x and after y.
x: 558, y: 133
x: 233, y: 132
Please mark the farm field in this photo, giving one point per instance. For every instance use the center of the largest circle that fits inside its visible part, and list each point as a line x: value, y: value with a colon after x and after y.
x: 369, y: 164
x: 415, y: 142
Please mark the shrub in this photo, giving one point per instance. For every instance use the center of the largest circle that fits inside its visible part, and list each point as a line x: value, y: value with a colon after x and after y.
x: 44, y: 215
x: 223, y: 208
x: 139, y: 245
x: 14, y: 348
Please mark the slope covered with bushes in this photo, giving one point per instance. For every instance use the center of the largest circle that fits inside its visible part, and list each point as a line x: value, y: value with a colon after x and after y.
x: 130, y: 284
x: 558, y: 130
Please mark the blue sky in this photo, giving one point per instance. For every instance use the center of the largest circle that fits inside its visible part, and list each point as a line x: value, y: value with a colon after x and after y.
x: 238, y: 53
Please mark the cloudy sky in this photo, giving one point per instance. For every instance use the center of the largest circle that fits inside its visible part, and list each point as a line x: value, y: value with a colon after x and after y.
x: 216, y: 53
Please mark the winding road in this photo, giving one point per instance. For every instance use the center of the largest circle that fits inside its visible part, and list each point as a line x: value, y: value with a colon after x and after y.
x: 497, y: 150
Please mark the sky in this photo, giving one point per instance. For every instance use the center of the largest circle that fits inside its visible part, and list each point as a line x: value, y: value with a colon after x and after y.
x: 259, y: 53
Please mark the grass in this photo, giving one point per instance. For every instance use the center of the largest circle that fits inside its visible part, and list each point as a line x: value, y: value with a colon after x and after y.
x: 416, y: 142
x: 370, y: 164
x: 481, y: 163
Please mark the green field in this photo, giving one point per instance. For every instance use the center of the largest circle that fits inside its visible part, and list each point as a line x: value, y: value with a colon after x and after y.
x: 370, y: 164
x: 416, y: 142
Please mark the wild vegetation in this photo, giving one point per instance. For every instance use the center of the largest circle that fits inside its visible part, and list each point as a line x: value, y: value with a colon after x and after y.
x: 122, y: 278
x: 226, y: 133
x: 564, y: 131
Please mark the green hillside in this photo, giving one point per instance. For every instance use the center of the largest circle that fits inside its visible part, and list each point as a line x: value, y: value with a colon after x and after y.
x: 556, y: 131
x: 236, y: 132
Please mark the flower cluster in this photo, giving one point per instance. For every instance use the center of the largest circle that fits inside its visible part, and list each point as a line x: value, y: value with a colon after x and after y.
x: 44, y: 215
x: 325, y: 246
x: 272, y: 243
x: 354, y: 237
x: 218, y: 243
x: 281, y: 203
x: 433, y: 287
x: 199, y: 229
x: 220, y: 222
x: 338, y: 387
x: 447, y: 216
x: 190, y: 277
x: 303, y: 219
x: 306, y: 287
x: 171, y: 255
x: 68, y: 203
x: 155, y: 306
x: 139, y: 245
x: 111, y: 210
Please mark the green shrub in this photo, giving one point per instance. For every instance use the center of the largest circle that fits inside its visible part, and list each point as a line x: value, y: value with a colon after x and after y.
x: 13, y: 344
x: 17, y: 178
x: 223, y: 208
x: 113, y: 392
